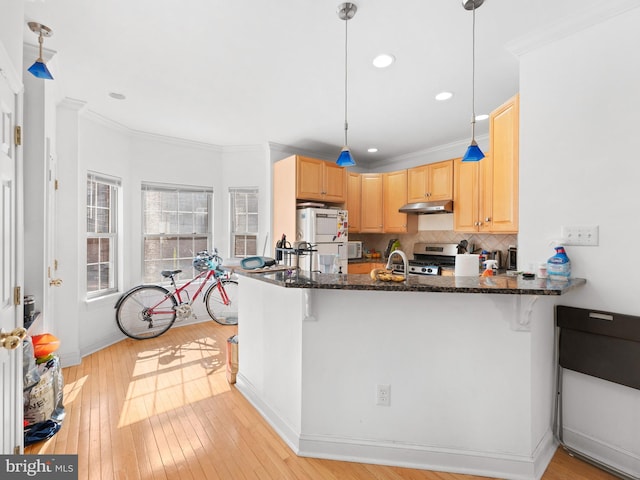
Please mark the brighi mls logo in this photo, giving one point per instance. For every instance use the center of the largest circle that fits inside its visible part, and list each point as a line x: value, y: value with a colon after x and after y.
x: 52, y: 467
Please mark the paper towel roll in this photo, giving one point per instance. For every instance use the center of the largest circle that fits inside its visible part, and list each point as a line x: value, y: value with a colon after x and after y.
x: 467, y: 265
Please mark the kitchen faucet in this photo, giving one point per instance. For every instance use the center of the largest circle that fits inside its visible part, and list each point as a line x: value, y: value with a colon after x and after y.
x: 405, y: 262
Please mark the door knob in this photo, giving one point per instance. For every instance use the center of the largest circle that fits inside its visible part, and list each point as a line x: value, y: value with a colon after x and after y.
x: 55, y: 282
x: 13, y: 339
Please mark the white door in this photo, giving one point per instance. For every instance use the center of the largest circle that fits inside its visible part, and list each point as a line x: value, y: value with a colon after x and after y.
x: 51, y: 215
x: 10, y: 360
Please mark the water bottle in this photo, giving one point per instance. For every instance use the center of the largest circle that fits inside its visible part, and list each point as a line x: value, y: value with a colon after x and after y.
x: 559, y: 266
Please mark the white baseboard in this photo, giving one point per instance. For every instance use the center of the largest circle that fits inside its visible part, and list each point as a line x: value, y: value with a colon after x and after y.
x: 70, y: 359
x: 609, y: 455
x: 288, y: 434
x: 424, y: 457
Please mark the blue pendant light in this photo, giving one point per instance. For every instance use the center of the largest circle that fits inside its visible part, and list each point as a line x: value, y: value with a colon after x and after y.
x: 39, y: 68
x: 346, y: 11
x: 473, y: 153
x: 345, y: 159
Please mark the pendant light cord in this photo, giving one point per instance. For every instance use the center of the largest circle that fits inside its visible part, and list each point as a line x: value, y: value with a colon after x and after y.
x: 473, y: 75
x: 346, y: 33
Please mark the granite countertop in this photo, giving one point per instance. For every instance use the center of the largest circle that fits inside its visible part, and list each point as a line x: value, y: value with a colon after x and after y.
x: 500, y: 284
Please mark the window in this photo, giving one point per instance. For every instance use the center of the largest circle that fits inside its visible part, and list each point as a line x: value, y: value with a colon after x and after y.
x: 176, y: 225
x: 102, y: 234
x: 244, y: 221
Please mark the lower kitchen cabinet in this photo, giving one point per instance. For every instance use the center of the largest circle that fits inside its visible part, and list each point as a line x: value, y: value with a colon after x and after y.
x: 364, y: 267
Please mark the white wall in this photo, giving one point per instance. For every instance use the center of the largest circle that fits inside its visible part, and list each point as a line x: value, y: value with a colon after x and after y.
x: 11, y: 25
x: 87, y: 142
x: 578, y: 166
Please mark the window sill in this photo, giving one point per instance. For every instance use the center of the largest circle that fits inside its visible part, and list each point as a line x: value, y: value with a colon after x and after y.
x: 109, y: 299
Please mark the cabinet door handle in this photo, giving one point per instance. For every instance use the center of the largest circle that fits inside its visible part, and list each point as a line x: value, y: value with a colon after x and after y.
x: 487, y: 219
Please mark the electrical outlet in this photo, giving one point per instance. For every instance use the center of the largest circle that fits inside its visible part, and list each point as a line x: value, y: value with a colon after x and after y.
x: 383, y: 395
x: 584, y: 235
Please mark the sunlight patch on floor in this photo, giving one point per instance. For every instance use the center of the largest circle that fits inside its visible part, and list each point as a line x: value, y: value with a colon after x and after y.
x: 170, y: 377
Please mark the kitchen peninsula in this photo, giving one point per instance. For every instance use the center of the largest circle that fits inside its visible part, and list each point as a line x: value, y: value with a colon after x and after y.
x: 467, y: 365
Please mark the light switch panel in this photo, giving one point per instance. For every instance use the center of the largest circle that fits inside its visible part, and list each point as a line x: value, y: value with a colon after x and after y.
x: 581, y: 235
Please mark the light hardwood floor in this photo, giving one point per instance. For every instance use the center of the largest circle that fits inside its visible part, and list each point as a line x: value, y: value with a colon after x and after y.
x: 162, y: 409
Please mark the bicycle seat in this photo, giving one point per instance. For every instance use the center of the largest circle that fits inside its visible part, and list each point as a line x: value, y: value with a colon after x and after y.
x: 169, y: 273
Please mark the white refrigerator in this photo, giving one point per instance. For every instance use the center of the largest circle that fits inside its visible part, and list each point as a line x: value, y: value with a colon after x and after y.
x: 326, y: 231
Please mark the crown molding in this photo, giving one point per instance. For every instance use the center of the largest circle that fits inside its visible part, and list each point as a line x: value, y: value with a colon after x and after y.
x: 567, y: 26
x: 96, y: 117
x: 282, y: 150
x: 8, y: 71
x: 34, y: 50
x: 73, y: 104
x: 441, y: 151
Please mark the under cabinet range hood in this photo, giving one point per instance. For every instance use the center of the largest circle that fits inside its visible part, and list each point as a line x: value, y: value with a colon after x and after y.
x: 424, y: 208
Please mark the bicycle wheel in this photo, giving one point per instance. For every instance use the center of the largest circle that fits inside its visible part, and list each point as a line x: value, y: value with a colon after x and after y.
x: 224, y: 314
x: 133, y: 317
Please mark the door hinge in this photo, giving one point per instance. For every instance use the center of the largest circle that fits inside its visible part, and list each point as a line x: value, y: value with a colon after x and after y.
x: 16, y: 450
x: 56, y: 184
x: 16, y: 295
x: 18, y: 135
x: 55, y: 264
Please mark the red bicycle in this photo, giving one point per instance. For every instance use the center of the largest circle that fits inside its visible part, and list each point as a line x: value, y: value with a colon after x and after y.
x: 147, y: 311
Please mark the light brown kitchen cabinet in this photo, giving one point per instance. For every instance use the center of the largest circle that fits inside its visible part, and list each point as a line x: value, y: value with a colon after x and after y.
x: 466, y: 195
x: 486, y: 192
x: 320, y: 180
x: 297, y: 178
x: 354, y: 199
x: 500, y: 202
x: 364, y: 267
x: 430, y: 182
x: 371, y: 203
x: 394, y: 190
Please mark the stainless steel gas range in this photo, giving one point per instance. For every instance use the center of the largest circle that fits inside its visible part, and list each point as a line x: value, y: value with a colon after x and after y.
x: 432, y: 258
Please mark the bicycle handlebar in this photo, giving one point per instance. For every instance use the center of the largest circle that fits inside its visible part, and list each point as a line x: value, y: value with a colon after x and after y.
x: 211, y: 261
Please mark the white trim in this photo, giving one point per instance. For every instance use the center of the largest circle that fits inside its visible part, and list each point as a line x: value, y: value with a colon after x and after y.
x: 282, y: 151
x: 31, y: 53
x: 425, y: 457
x: 72, y: 104
x: 420, y: 154
x: 604, y: 452
x: 567, y: 26
x: 286, y: 432
x: 8, y: 71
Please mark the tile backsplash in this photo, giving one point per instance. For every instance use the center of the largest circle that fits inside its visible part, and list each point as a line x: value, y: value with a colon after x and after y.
x: 484, y: 241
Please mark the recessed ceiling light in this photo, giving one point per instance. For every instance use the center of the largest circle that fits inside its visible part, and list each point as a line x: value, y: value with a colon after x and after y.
x: 372, y: 150
x: 444, y: 96
x: 483, y: 116
x: 117, y: 96
x: 383, y: 60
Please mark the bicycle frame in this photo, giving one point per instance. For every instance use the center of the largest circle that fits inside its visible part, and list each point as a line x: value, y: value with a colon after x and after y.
x: 177, y: 291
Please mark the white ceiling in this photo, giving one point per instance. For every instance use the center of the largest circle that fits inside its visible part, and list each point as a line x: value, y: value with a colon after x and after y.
x: 244, y: 72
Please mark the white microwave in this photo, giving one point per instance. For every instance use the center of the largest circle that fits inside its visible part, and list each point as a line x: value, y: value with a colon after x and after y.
x: 354, y: 249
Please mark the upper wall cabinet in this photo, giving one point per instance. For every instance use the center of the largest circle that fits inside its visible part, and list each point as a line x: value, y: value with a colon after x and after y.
x: 502, y: 173
x: 394, y: 192
x: 371, y: 203
x: 354, y: 202
x: 320, y: 180
x: 430, y: 182
x: 486, y: 192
